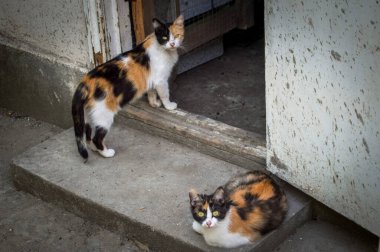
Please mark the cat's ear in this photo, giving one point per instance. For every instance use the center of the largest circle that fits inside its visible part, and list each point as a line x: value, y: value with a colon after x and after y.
x: 179, y: 21
x: 194, y: 197
x: 156, y: 23
x: 218, y: 196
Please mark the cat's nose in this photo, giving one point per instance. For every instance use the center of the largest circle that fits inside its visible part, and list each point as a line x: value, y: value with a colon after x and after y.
x: 208, y: 223
x: 172, y: 44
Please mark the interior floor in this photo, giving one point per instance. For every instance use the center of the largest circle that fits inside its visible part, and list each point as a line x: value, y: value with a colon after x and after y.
x: 231, y: 88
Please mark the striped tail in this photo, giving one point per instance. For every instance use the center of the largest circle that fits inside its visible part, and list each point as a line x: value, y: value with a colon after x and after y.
x: 77, y: 111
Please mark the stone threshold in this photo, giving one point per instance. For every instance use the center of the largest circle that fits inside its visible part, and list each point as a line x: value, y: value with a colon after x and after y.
x: 206, y: 135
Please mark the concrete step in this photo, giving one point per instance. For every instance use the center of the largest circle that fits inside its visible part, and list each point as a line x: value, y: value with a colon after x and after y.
x: 142, y: 192
x: 212, y: 137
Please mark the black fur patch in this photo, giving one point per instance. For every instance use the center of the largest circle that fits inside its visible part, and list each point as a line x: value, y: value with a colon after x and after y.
x: 139, y: 55
x: 162, y: 33
x: 77, y: 109
x: 198, y: 208
x: 222, y: 208
x: 88, y: 132
x: 272, y: 205
x: 117, y: 78
x: 197, y: 218
x: 99, y: 94
x: 249, y: 197
x: 242, y: 213
x: 100, y: 134
x: 108, y: 71
x: 77, y: 112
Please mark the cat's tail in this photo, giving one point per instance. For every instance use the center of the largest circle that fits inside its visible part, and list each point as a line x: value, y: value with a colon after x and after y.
x: 77, y: 111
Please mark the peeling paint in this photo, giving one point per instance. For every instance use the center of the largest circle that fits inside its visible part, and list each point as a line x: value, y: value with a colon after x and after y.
x: 359, y: 116
x: 277, y: 162
x: 365, y: 145
x: 335, y: 55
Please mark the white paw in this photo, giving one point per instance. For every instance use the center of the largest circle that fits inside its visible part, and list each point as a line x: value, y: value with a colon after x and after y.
x: 155, y: 104
x: 107, y: 153
x: 197, y: 227
x: 170, y: 105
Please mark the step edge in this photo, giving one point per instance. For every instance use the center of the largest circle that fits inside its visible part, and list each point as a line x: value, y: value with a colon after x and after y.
x: 125, y: 225
x: 199, y: 131
x: 205, y: 136
x: 277, y: 236
x: 87, y: 209
x: 200, y: 120
x: 244, y: 161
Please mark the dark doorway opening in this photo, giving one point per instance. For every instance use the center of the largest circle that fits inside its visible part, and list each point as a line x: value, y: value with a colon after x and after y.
x: 230, y: 88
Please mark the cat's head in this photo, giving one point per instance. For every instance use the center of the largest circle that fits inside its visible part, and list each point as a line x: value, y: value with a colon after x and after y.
x: 170, y: 36
x: 208, y: 210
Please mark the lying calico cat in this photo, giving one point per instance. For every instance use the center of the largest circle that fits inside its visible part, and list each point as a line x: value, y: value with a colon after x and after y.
x: 108, y: 87
x: 239, y: 213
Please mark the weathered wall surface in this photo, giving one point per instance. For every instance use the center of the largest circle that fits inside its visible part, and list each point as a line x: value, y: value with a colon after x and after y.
x: 36, y: 86
x: 323, y: 102
x: 44, y: 51
x: 47, y: 28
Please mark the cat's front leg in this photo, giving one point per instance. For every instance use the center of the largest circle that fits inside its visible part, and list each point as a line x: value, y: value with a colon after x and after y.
x: 163, y: 92
x: 153, y: 100
x: 197, y: 227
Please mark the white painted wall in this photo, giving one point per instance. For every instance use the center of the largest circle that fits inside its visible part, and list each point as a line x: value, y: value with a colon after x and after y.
x: 55, y: 29
x: 323, y: 102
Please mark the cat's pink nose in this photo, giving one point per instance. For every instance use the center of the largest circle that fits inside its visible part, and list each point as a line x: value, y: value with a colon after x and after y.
x: 172, y: 44
x: 208, y: 223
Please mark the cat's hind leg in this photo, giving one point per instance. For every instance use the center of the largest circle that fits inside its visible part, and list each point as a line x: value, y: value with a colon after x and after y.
x: 98, y: 140
x: 102, y: 118
x: 153, y: 99
x: 89, y: 142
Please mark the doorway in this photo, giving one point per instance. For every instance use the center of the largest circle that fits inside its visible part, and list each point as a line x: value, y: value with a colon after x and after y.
x: 221, y: 73
x: 231, y: 87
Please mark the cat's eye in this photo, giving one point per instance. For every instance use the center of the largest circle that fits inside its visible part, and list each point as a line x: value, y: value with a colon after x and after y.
x: 201, y: 214
x: 177, y: 36
x: 215, y: 213
x: 164, y: 37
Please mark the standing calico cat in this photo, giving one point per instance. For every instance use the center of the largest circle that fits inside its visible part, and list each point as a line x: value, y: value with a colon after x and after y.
x: 247, y: 207
x: 107, y: 88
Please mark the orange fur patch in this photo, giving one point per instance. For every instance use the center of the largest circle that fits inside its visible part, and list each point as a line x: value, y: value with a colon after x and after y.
x: 264, y: 189
x: 254, y: 220
x: 205, y: 206
x: 238, y: 198
x: 148, y: 41
x: 177, y: 30
x: 138, y: 75
x: 106, y: 87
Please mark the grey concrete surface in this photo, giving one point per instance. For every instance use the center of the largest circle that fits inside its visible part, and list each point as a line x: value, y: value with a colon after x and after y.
x: 26, y: 222
x: 142, y: 192
x: 29, y: 224
x: 320, y: 236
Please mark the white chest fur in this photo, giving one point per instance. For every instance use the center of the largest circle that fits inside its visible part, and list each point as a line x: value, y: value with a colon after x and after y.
x: 161, y: 64
x: 220, y: 236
